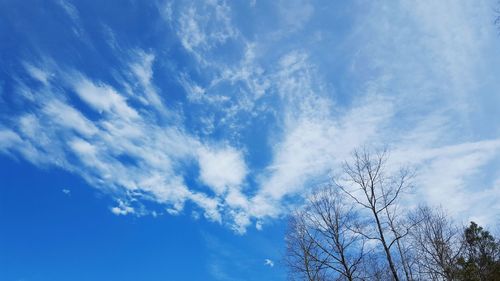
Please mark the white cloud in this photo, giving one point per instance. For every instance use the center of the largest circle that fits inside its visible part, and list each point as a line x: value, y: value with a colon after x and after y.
x: 204, y: 26
x: 312, y: 147
x: 142, y: 68
x: 84, y: 149
x: 76, y: 24
x: 315, y: 138
x: 190, y: 31
x: 103, y: 98
x: 236, y: 199
x: 37, y: 73
x: 11, y: 142
x: 68, y: 117
x: 420, y: 102
x: 241, y: 221
x: 209, y: 205
x: 122, y: 209
x: 248, y: 71
x: 195, y: 93
x: 8, y: 139
x: 70, y: 9
x: 59, y: 134
x: 221, y: 169
x: 258, y: 225
x: 452, y: 36
x: 451, y: 176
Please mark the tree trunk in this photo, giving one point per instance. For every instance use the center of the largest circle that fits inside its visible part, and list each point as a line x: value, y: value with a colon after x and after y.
x: 386, y: 248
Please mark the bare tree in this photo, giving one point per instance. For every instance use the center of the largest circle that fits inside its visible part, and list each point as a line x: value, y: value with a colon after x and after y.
x: 303, y: 257
x: 324, y: 227
x: 400, y: 229
x: 357, y: 229
x: 365, y: 181
x: 437, y: 243
x: 375, y: 268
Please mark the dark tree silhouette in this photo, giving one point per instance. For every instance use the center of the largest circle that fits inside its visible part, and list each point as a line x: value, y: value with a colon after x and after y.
x: 481, y: 259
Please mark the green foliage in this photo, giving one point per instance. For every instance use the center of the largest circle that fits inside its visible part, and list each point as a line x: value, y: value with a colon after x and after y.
x: 481, y: 258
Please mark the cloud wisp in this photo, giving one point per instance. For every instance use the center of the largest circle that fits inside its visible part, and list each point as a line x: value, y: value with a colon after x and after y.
x: 261, y: 118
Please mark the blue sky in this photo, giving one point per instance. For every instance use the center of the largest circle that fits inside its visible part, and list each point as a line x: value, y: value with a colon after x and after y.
x: 157, y: 140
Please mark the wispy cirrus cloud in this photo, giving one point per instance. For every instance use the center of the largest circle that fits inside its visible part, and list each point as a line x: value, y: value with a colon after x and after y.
x: 257, y: 118
x: 120, y: 149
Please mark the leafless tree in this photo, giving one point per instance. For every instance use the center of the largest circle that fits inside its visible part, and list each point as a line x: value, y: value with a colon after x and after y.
x: 437, y: 243
x: 303, y: 257
x: 357, y: 229
x: 375, y: 268
x: 323, y: 227
x: 366, y: 181
x: 400, y: 227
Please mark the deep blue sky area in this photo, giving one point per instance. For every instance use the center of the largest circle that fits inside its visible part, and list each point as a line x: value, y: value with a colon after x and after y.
x: 169, y: 140
x: 49, y: 235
